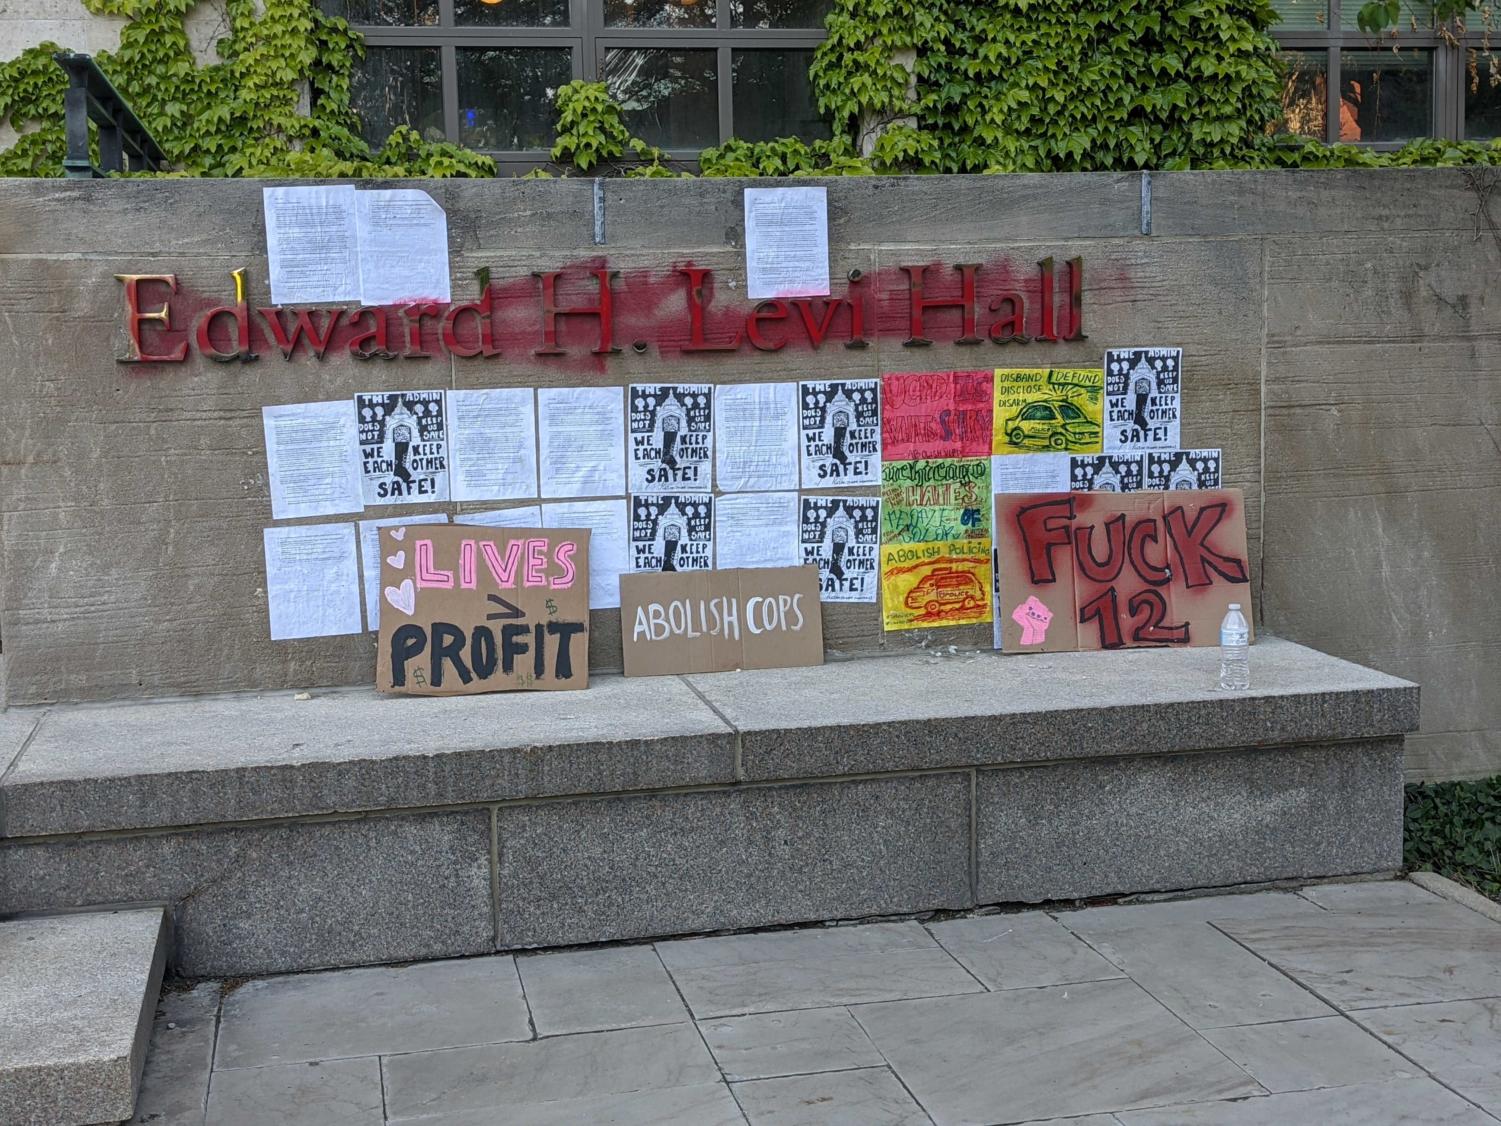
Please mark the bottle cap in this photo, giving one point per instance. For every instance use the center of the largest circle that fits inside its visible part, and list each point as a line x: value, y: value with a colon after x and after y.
x: 1235, y: 605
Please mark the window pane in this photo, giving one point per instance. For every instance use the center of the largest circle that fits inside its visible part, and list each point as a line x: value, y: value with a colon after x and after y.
x: 398, y: 86
x: 506, y: 95
x: 1483, y: 96
x: 384, y: 13
x: 779, y: 13
x: 670, y: 98
x: 1304, y: 15
x: 1305, y: 89
x: 1416, y: 15
x: 510, y: 13
x: 659, y: 13
x: 773, y: 97
x: 1385, y: 95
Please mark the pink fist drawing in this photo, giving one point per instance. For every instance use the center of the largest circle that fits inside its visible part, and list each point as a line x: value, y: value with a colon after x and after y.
x: 1033, y: 617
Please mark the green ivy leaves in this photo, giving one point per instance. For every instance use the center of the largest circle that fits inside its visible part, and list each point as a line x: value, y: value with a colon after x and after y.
x: 1454, y: 829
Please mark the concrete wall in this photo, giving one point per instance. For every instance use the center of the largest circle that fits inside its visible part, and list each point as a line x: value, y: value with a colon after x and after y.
x: 1339, y: 347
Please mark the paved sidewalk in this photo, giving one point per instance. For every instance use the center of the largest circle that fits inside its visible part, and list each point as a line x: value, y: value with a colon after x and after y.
x: 1340, y: 1005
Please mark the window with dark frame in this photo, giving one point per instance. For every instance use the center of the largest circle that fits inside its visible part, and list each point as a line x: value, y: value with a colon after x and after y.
x: 687, y: 73
x: 1417, y: 80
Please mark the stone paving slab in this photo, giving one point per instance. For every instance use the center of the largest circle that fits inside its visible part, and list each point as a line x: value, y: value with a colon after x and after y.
x: 77, y: 995
x: 767, y: 1045
x: 1021, y: 951
x: 174, y: 1086
x: 1371, y: 959
x: 327, y: 1093
x: 374, y: 1011
x: 868, y: 1097
x: 592, y: 990
x: 1412, y: 1102
x: 1047, y: 1053
x: 1301, y: 1055
x: 1459, y: 1043
x: 511, y: 1076
x: 1366, y: 896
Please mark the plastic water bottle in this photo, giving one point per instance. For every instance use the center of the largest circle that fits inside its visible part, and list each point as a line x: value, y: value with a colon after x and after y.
x: 1235, y: 651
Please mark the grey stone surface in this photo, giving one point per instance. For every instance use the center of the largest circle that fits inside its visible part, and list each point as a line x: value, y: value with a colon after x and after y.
x: 1020, y: 951
x: 702, y: 1104
x: 382, y: 1010
x: 174, y: 1085
x: 286, y: 897
x: 1047, y: 1053
x: 327, y: 1093
x: 1370, y: 960
x: 585, y: 871
x: 1380, y: 896
x: 1459, y: 1043
x: 847, y: 718
x: 512, y: 1077
x: 77, y: 993
x: 238, y: 758
x: 1207, y: 979
x: 765, y: 1045
x: 592, y: 990
x: 16, y: 728
x: 1192, y: 909
x: 869, y: 1097
x: 1093, y: 828
x: 1457, y: 893
x: 1413, y: 1102
x: 1301, y: 1055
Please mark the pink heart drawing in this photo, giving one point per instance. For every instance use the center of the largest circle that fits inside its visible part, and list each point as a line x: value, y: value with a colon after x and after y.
x: 399, y: 560
x: 403, y: 597
x: 398, y: 534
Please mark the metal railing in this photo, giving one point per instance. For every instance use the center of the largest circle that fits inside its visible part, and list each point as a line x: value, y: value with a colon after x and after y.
x: 124, y: 143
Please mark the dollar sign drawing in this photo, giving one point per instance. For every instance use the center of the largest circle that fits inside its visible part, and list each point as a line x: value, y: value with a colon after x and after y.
x: 552, y: 607
x: 419, y: 678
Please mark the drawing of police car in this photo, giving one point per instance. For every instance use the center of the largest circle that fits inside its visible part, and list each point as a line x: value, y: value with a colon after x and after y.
x: 1051, y: 422
x: 946, y: 590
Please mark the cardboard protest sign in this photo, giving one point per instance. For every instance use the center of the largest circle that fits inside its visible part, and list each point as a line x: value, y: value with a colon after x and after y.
x: 468, y: 609
x: 935, y: 414
x: 716, y: 621
x: 935, y: 584
x: 1118, y: 570
x: 1048, y: 409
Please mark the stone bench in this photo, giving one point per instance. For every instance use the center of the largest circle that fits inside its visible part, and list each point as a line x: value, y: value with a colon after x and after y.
x: 352, y: 828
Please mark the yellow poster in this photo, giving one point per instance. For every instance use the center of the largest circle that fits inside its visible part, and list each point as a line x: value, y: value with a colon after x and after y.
x: 924, y: 585
x: 1061, y: 410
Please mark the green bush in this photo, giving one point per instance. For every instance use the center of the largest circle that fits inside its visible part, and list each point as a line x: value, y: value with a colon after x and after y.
x: 1454, y: 829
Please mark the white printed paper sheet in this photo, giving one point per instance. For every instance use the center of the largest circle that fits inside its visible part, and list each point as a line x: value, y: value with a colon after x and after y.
x: 756, y: 437
x: 1143, y: 399
x: 492, y: 438
x: 312, y: 243
x: 312, y: 581
x: 671, y: 446
x: 312, y: 459
x: 842, y: 537
x: 1030, y: 473
x: 786, y: 242
x: 403, y: 247
x: 756, y: 530
x: 581, y: 439
x: 526, y: 516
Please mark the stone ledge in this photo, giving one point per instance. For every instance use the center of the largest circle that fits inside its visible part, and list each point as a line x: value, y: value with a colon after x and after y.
x: 209, y: 761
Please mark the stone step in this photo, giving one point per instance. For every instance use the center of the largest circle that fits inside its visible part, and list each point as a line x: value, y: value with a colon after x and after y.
x: 77, y: 994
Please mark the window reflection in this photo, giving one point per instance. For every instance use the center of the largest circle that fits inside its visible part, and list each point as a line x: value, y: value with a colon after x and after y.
x: 779, y: 13
x: 1482, y: 96
x: 510, y: 13
x: 773, y: 96
x: 1415, y: 15
x: 384, y: 13
x: 669, y: 98
x: 1305, y: 94
x: 1385, y: 95
x: 659, y: 13
x: 1303, y: 15
x: 398, y: 86
x: 506, y: 96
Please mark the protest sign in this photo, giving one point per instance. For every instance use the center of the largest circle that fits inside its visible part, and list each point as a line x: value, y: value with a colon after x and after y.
x: 716, y: 621
x: 469, y: 609
x: 1048, y: 409
x: 935, y: 584
x: 1118, y: 570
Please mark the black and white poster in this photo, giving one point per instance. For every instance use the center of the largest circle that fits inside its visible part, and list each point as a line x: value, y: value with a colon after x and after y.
x: 1105, y: 473
x: 671, y: 437
x: 1184, y: 469
x: 672, y: 532
x: 842, y: 536
x: 1143, y: 398
x: 841, y: 433
x: 403, y: 447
